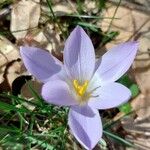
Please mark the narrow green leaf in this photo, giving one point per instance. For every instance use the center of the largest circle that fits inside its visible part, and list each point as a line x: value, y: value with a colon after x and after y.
x: 110, y: 123
x: 20, y: 99
x: 89, y: 25
x: 41, y: 143
x: 8, y: 107
x: 35, y: 94
x: 109, y: 36
x: 85, y: 16
x: 9, y: 129
x: 49, y: 3
x: 119, y: 139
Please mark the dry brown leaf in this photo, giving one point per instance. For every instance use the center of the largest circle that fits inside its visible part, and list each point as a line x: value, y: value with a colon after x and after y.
x: 25, y: 15
x: 25, y: 91
x: 134, y: 25
x: 8, y: 51
x: 10, y: 67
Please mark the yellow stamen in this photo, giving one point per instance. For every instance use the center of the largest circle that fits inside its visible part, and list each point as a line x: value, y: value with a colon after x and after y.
x: 80, y: 89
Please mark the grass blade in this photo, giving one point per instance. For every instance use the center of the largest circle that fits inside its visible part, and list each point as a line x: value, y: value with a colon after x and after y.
x: 119, y: 139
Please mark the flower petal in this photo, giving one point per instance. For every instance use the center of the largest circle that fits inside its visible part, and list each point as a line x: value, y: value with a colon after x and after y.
x: 117, y: 61
x: 40, y: 63
x: 79, y: 55
x: 110, y: 95
x: 86, y: 129
x: 57, y: 92
x: 84, y: 110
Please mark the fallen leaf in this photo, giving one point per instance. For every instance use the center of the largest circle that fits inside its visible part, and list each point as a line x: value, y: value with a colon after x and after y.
x: 25, y: 15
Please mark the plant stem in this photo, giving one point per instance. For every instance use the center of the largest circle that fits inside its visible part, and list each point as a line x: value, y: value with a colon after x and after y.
x: 55, y: 18
x: 113, y: 16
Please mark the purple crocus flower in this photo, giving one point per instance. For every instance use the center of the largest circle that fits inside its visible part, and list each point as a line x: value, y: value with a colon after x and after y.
x: 81, y: 83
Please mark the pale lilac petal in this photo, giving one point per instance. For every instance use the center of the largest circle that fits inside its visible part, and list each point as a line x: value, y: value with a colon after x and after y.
x: 79, y: 55
x: 87, y: 130
x: 40, y: 63
x: 109, y: 96
x: 57, y: 92
x: 117, y: 61
x: 84, y: 110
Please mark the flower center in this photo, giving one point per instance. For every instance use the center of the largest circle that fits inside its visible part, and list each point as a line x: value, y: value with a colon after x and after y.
x: 80, y: 89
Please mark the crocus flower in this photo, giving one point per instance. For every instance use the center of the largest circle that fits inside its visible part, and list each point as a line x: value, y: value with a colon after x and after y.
x: 82, y: 83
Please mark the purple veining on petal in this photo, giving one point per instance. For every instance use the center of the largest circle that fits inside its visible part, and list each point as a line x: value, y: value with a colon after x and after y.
x: 86, y: 129
x: 79, y: 56
x: 40, y: 63
x: 57, y: 92
x: 110, y: 95
x: 79, y: 64
x: 117, y: 61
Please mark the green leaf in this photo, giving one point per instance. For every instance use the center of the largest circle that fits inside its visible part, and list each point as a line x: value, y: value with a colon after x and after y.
x: 93, y: 27
x: 20, y: 99
x: 101, y: 4
x: 8, y: 107
x: 9, y: 129
x: 118, y: 139
x: 109, y: 36
x: 125, y: 108
x: 134, y: 90
x: 41, y: 143
x: 85, y: 16
x: 125, y: 80
x: 79, y: 6
x: 35, y: 94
